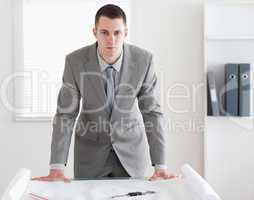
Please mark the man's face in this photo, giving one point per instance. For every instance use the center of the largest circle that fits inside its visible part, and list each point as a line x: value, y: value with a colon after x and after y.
x: 110, y: 35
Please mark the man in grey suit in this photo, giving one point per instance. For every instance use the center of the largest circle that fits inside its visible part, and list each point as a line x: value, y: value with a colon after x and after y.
x: 119, y: 129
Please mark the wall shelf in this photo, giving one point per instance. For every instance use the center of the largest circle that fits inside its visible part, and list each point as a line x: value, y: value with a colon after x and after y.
x: 229, y: 140
x: 218, y: 37
x: 229, y: 3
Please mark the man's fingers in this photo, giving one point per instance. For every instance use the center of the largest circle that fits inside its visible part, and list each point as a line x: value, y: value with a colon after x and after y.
x: 37, y: 178
x: 43, y: 178
x: 153, y: 178
x: 66, y: 180
x: 157, y: 176
x: 47, y: 178
x: 51, y: 179
x: 171, y: 176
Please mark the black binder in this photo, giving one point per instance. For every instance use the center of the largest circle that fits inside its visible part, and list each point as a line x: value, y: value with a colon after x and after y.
x: 212, y: 99
x: 244, y: 89
x: 231, y: 86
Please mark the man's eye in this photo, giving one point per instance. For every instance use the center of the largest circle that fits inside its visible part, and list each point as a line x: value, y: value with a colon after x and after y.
x: 117, y: 32
x: 104, y: 33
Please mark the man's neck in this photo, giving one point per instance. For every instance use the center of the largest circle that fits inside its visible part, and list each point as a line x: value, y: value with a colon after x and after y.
x: 110, y: 59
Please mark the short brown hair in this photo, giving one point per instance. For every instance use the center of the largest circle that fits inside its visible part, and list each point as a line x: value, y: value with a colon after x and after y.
x: 111, y: 11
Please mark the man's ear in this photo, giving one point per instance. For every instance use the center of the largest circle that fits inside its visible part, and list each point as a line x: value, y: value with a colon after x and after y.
x: 125, y: 32
x: 94, y: 32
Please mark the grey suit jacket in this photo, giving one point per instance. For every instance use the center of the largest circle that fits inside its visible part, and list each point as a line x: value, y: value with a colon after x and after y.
x: 135, y: 128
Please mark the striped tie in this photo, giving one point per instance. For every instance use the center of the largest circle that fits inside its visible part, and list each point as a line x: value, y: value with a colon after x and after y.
x: 110, y: 90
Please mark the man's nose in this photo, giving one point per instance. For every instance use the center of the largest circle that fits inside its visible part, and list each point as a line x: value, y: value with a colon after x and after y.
x: 111, y: 38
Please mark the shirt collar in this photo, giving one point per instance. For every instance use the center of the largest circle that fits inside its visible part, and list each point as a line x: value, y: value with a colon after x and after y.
x: 117, y: 65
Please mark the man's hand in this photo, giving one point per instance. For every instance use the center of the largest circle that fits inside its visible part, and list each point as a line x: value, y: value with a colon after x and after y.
x: 162, y: 174
x: 54, y: 175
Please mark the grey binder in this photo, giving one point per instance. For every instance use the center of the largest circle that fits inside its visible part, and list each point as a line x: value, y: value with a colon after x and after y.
x: 212, y: 99
x: 244, y: 89
x: 231, y: 86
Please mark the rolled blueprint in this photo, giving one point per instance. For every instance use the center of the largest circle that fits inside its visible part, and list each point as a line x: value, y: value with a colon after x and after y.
x: 197, y: 186
x: 18, y: 185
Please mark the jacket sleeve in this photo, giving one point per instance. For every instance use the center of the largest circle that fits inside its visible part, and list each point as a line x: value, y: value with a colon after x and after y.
x: 148, y: 100
x: 65, y: 117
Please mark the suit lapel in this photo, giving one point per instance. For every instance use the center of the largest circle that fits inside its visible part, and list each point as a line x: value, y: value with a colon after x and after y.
x: 93, y: 71
x: 127, y: 81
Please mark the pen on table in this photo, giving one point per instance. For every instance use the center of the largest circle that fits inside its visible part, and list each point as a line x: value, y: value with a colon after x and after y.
x: 131, y: 194
x: 35, y: 196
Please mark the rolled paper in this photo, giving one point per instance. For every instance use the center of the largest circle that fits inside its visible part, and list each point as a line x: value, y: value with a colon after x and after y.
x: 197, y: 186
x: 16, y: 190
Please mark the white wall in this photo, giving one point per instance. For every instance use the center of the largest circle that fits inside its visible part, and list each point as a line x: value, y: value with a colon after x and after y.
x: 229, y: 156
x: 172, y: 30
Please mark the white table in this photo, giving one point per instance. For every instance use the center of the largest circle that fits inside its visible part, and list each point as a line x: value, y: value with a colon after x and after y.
x: 191, y: 187
x: 105, y: 189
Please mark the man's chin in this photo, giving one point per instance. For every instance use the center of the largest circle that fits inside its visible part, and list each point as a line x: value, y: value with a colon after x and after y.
x: 112, y: 51
x: 111, y: 48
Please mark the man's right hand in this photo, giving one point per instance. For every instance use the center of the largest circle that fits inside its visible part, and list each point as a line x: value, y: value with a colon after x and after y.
x: 54, y: 175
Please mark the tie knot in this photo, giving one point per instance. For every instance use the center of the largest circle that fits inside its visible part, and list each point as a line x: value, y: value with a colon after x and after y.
x: 110, y: 68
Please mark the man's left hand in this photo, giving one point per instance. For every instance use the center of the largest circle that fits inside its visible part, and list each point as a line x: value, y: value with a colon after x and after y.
x: 162, y: 174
